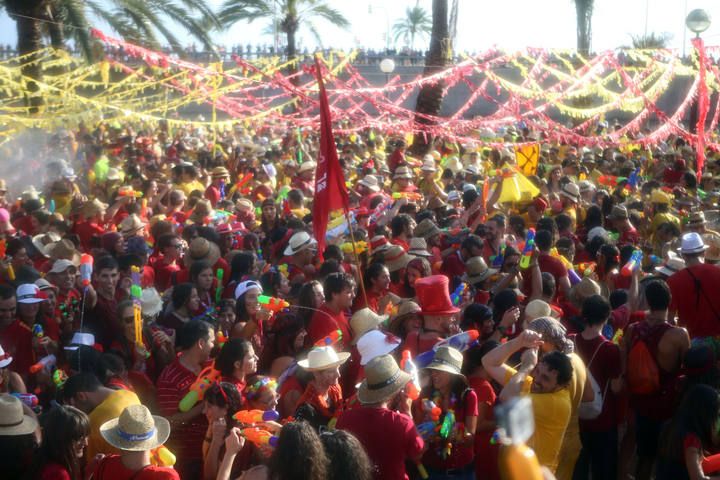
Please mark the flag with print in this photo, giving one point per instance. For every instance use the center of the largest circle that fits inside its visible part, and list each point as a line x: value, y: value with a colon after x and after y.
x: 330, y: 190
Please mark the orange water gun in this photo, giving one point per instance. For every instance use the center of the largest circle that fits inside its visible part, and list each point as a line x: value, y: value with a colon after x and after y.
x: 411, y: 196
x: 273, y: 304
x: 162, y: 457
x: 259, y: 437
x: 256, y: 416
x: 130, y: 193
x: 329, y: 340
x: 242, y: 186
x: 413, y: 387
x: 221, y: 338
x: 197, y: 390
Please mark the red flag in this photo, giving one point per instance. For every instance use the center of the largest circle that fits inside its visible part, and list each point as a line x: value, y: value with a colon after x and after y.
x: 330, y: 191
x: 702, y: 105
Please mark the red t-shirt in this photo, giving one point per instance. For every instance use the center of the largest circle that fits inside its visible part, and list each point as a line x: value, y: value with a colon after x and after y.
x: 185, y: 440
x: 327, y: 321
x: 16, y: 340
x: 54, y: 471
x: 604, y: 367
x: 452, y: 266
x: 87, y: 231
x: 112, y: 468
x: 486, y: 452
x: 698, y: 307
x: 388, y: 437
x: 164, y: 273
x: 547, y: 263
x: 212, y: 193
x: 373, y: 302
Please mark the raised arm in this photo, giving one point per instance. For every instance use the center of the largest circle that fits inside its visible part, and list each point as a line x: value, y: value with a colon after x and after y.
x: 494, y: 360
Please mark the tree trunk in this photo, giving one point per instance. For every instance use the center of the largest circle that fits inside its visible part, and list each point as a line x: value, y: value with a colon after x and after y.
x: 55, y: 28
x: 430, y: 97
x: 29, y: 41
x: 583, y: 9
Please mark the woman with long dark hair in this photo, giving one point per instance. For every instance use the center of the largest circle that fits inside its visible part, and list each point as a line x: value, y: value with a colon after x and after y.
x: 416, y: 268
x: 222, y: 401
x: 202, y: 276
x: 243, y: 266
x: 184, y: 302
x: 250, y: 316
x: 65, y: 436
x: 236, y: 361
x: 310, y: 298
x: 348, y: 459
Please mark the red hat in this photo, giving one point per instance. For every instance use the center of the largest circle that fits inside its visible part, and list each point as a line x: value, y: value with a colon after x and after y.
x: 433, y: 295
x: 540, y: 204
x: 362, y: 212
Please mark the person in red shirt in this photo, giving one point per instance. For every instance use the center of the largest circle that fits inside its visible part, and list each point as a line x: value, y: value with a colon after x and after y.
x: 236, y: 362
x: 693, y: 290
x: 454, y: 264
x: 438, y: 314
x: 15, y: 336
x: 216, y: 191
x: 69, y: 300
x: 92, y: 227
x: 377, y: 283
x: 339, y: 291
x: 621, y: 222
x: 322, y: 399
x: 196, y: 341
x: 548, y: 263
x: 65, y: 436
x: 167, y: 265
x: 402, y: 227
x: 135, y: 433
x: 389, y: 436
x: 301, y: 251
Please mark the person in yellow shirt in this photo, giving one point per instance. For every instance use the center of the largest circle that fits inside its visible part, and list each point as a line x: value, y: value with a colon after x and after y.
x: 547, y: 388
x: 188, y: 181
x: 85, y: 392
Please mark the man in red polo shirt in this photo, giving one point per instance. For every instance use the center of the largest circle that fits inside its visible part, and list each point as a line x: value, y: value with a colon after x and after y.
x: 15, y: 336
x: 339, y: 295
x: 389, y: 437
x: 454, y: 264
x: 168, y: 264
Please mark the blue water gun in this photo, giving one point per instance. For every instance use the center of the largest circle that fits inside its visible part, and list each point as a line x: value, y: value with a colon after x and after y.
x: 457, y: 295
x: 528, y: 250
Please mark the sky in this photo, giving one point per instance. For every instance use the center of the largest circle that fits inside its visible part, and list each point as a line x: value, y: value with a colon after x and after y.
x: 508, y: 24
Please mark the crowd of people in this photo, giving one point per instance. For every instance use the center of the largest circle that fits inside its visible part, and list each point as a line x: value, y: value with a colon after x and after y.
x: 165, y: 311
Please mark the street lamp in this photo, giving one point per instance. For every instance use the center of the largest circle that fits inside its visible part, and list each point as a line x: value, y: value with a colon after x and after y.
x: 387, y: 66
x: 698, y: 21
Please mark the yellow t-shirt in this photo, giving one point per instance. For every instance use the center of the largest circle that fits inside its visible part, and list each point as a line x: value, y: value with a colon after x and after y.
x: 190, y: 187
x: 552, y: 415
x: 110, y: 408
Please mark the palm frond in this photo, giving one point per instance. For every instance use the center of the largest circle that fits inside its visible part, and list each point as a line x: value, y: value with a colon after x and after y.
x: 233, y: 11
x: 326, y: 12
x: 73, y: 13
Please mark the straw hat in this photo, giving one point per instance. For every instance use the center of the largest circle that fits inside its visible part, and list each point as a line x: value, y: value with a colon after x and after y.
x: 299, y: 242
x: 692, y: 243
x: 307, y: 167
x: 202, y: 249
x: 375, y: 343
x: 5, y: 358
x: 93, y: 207
x: 585, y: 288
x: 64, y: 250
x: 538, y: 308
x: 672, y: 265
x: 370, y: 182
x: 618, y: 212
x: 363, y: 321
x: 696, y: 219
x: 43, y: 241
x: 454, y: 164
x: 323, y: 358
x: 220, y: 172
x: 426, y: 229
x: 396, y: 258
x: 403, y: 172
x: 428, y: 165
x: 571, y: 191
x: 477, y: 270
x: 30, y: 194
x: 447, y: 359
x: 131, y: 225
x: 383, y: 379
x: 13, y: 421
x: 136, y: 430
x: 45, y: 285
x: 658, y: 196
x: 403, y: 309
x: 418, y: 247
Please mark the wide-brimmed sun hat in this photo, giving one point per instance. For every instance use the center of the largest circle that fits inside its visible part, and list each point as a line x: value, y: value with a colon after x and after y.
x: 476, y: 270
x: 383, y: 379
x: 375, y: 343
x: 5, y: 358
x: 13, y: 421
x: 448, y: 359
x: 323, y: 358
x: 298, y: 242
x: 363, y: 321
x: 202, y: 249
x: 396, y: 258
x: 418, y: 247
x: 136, y: 430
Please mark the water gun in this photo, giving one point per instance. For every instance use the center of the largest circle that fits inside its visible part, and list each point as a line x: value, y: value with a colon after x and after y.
x: 586, y: 268
x: 360, y: 247
x: 219, y: 289
x: 162, y: 457
x: 136, y: 294
x: 59, y: 377
x: 447, y: 425
x: 221, y: 338
x: 45, y: 363
x: 617, y: 338
x: 86, y: 269
x: 259, y: 437
x: 3, y: 248
x: 497, y: 260
x: 272, y: 304
x: 242, y: 185
x: 256, y: 416
x: 457, y: 295
x: 413, y: 387
x: 379, y: 211
x: 632, y: 180
x: 426, y: 429
x: 222, y: 189
x: 411, y: 196
x: 197, y: 390
x: 528, y: 249
x: 27, y: 398
x: 38, y: 331
x: 144, y: 208
x: 632, y: 264
x: 460, y: 341
x: 329, y: 340
x: 129, y: 192
x: 711, y: 464
x: 608, y: 180
x: 572, y: 274
x: 52, y: 207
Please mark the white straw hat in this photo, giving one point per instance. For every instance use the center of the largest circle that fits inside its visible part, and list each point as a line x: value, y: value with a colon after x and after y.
x: 323, y: 358
x: 136, y: 430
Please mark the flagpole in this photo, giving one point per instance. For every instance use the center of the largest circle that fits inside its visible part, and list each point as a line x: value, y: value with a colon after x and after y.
x: 357, y: 259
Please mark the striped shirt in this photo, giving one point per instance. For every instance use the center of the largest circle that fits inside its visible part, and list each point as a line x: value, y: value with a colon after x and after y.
x: 185, y: 440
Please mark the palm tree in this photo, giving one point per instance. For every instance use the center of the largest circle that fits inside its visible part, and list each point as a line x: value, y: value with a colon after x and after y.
x: 138, y: 21
x: 291, y: 15
x: 416, y: 22
x: 584, y: 11
x: 430, y: 97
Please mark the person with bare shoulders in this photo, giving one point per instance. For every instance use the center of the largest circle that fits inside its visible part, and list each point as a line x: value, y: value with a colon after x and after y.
x: 652, y: 351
